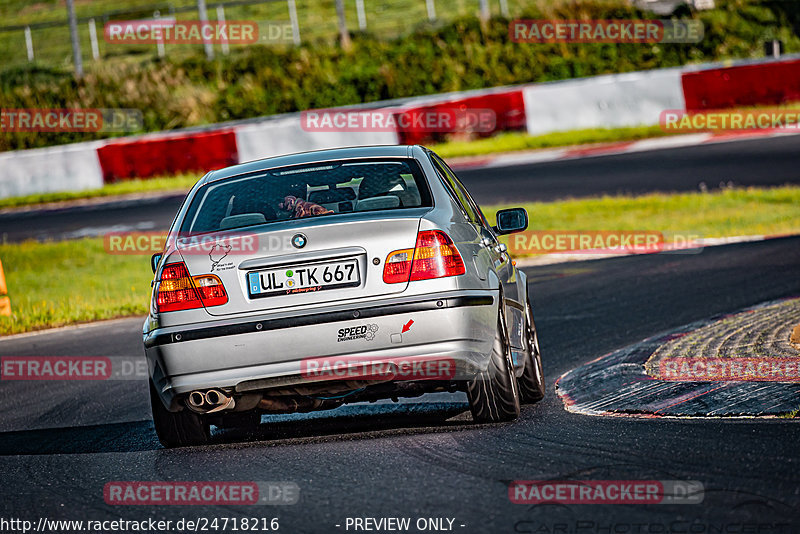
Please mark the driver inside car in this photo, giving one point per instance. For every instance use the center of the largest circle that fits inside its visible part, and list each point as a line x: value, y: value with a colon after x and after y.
x: 297, y: 206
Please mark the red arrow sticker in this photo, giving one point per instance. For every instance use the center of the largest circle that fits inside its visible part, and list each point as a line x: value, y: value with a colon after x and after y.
x: 407, y: 326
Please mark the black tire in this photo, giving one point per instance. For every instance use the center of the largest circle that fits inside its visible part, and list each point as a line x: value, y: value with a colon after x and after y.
x: 177, y: 429
x: 494, y: 394
x: 531, y: 383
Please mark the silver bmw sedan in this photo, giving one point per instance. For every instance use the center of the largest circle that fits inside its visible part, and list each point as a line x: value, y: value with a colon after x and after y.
x: 302, y: 282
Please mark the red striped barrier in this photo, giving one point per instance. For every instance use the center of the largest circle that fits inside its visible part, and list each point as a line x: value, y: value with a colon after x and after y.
x: 145, y: 158
x: 508, y: 108
x: 86, y: 165
x: 748, y: 85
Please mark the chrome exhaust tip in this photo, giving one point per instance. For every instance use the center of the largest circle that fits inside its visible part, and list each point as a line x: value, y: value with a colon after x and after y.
x: 211, y: 401
x: 196, y: 399
x: 219, y: 400
x: 214, y: 397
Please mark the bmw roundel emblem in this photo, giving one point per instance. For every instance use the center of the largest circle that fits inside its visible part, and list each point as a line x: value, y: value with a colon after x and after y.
x: 299, y: 240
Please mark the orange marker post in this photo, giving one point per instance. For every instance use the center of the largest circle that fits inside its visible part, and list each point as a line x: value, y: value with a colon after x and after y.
x: 5, y: 302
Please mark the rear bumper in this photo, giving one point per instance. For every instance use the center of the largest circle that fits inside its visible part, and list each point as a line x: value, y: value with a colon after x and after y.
x: 270, y: 351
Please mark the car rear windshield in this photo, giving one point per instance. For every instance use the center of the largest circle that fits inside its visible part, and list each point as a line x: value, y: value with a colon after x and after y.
x: 316, y: 190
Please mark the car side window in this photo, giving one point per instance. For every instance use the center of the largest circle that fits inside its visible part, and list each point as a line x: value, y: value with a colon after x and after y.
x: 463, y: 193
x: 456, y: 190
x: 470, y: 199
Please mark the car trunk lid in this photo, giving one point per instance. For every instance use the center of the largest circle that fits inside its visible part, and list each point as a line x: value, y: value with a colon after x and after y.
x: 303, y: 262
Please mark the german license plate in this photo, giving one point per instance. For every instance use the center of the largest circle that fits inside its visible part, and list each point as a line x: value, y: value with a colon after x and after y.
x: 303, y: 278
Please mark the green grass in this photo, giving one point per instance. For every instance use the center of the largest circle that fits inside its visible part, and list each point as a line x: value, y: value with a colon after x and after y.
x: 53, y: 284
x: 175, y: 183
x: 513, y: 141
x: 731, y: 212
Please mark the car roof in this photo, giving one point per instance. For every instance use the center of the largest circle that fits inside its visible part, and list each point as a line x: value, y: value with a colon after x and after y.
x: 314, y: 156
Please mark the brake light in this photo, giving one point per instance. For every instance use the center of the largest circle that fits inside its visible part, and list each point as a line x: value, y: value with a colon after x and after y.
x: 434, y: 256
x: 178, y: 291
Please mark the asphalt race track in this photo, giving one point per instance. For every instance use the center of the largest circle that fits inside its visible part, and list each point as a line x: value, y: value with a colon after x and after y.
x: 761, y: 162
x: 60, y: 442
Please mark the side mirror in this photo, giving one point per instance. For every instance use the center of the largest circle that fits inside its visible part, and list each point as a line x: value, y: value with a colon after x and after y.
x: 511, y: 220
x: 155, y: 259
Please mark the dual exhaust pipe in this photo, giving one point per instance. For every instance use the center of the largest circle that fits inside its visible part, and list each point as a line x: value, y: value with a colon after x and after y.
x: 209, y: 401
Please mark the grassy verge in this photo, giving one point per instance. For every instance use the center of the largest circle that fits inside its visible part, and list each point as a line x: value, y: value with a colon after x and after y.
x: 731, y: 212
x: 54, y: 284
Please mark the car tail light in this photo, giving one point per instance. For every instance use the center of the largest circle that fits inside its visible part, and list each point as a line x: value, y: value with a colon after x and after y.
x: 179, y: 291
x: 434, y: 256
x: 211, y: 290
